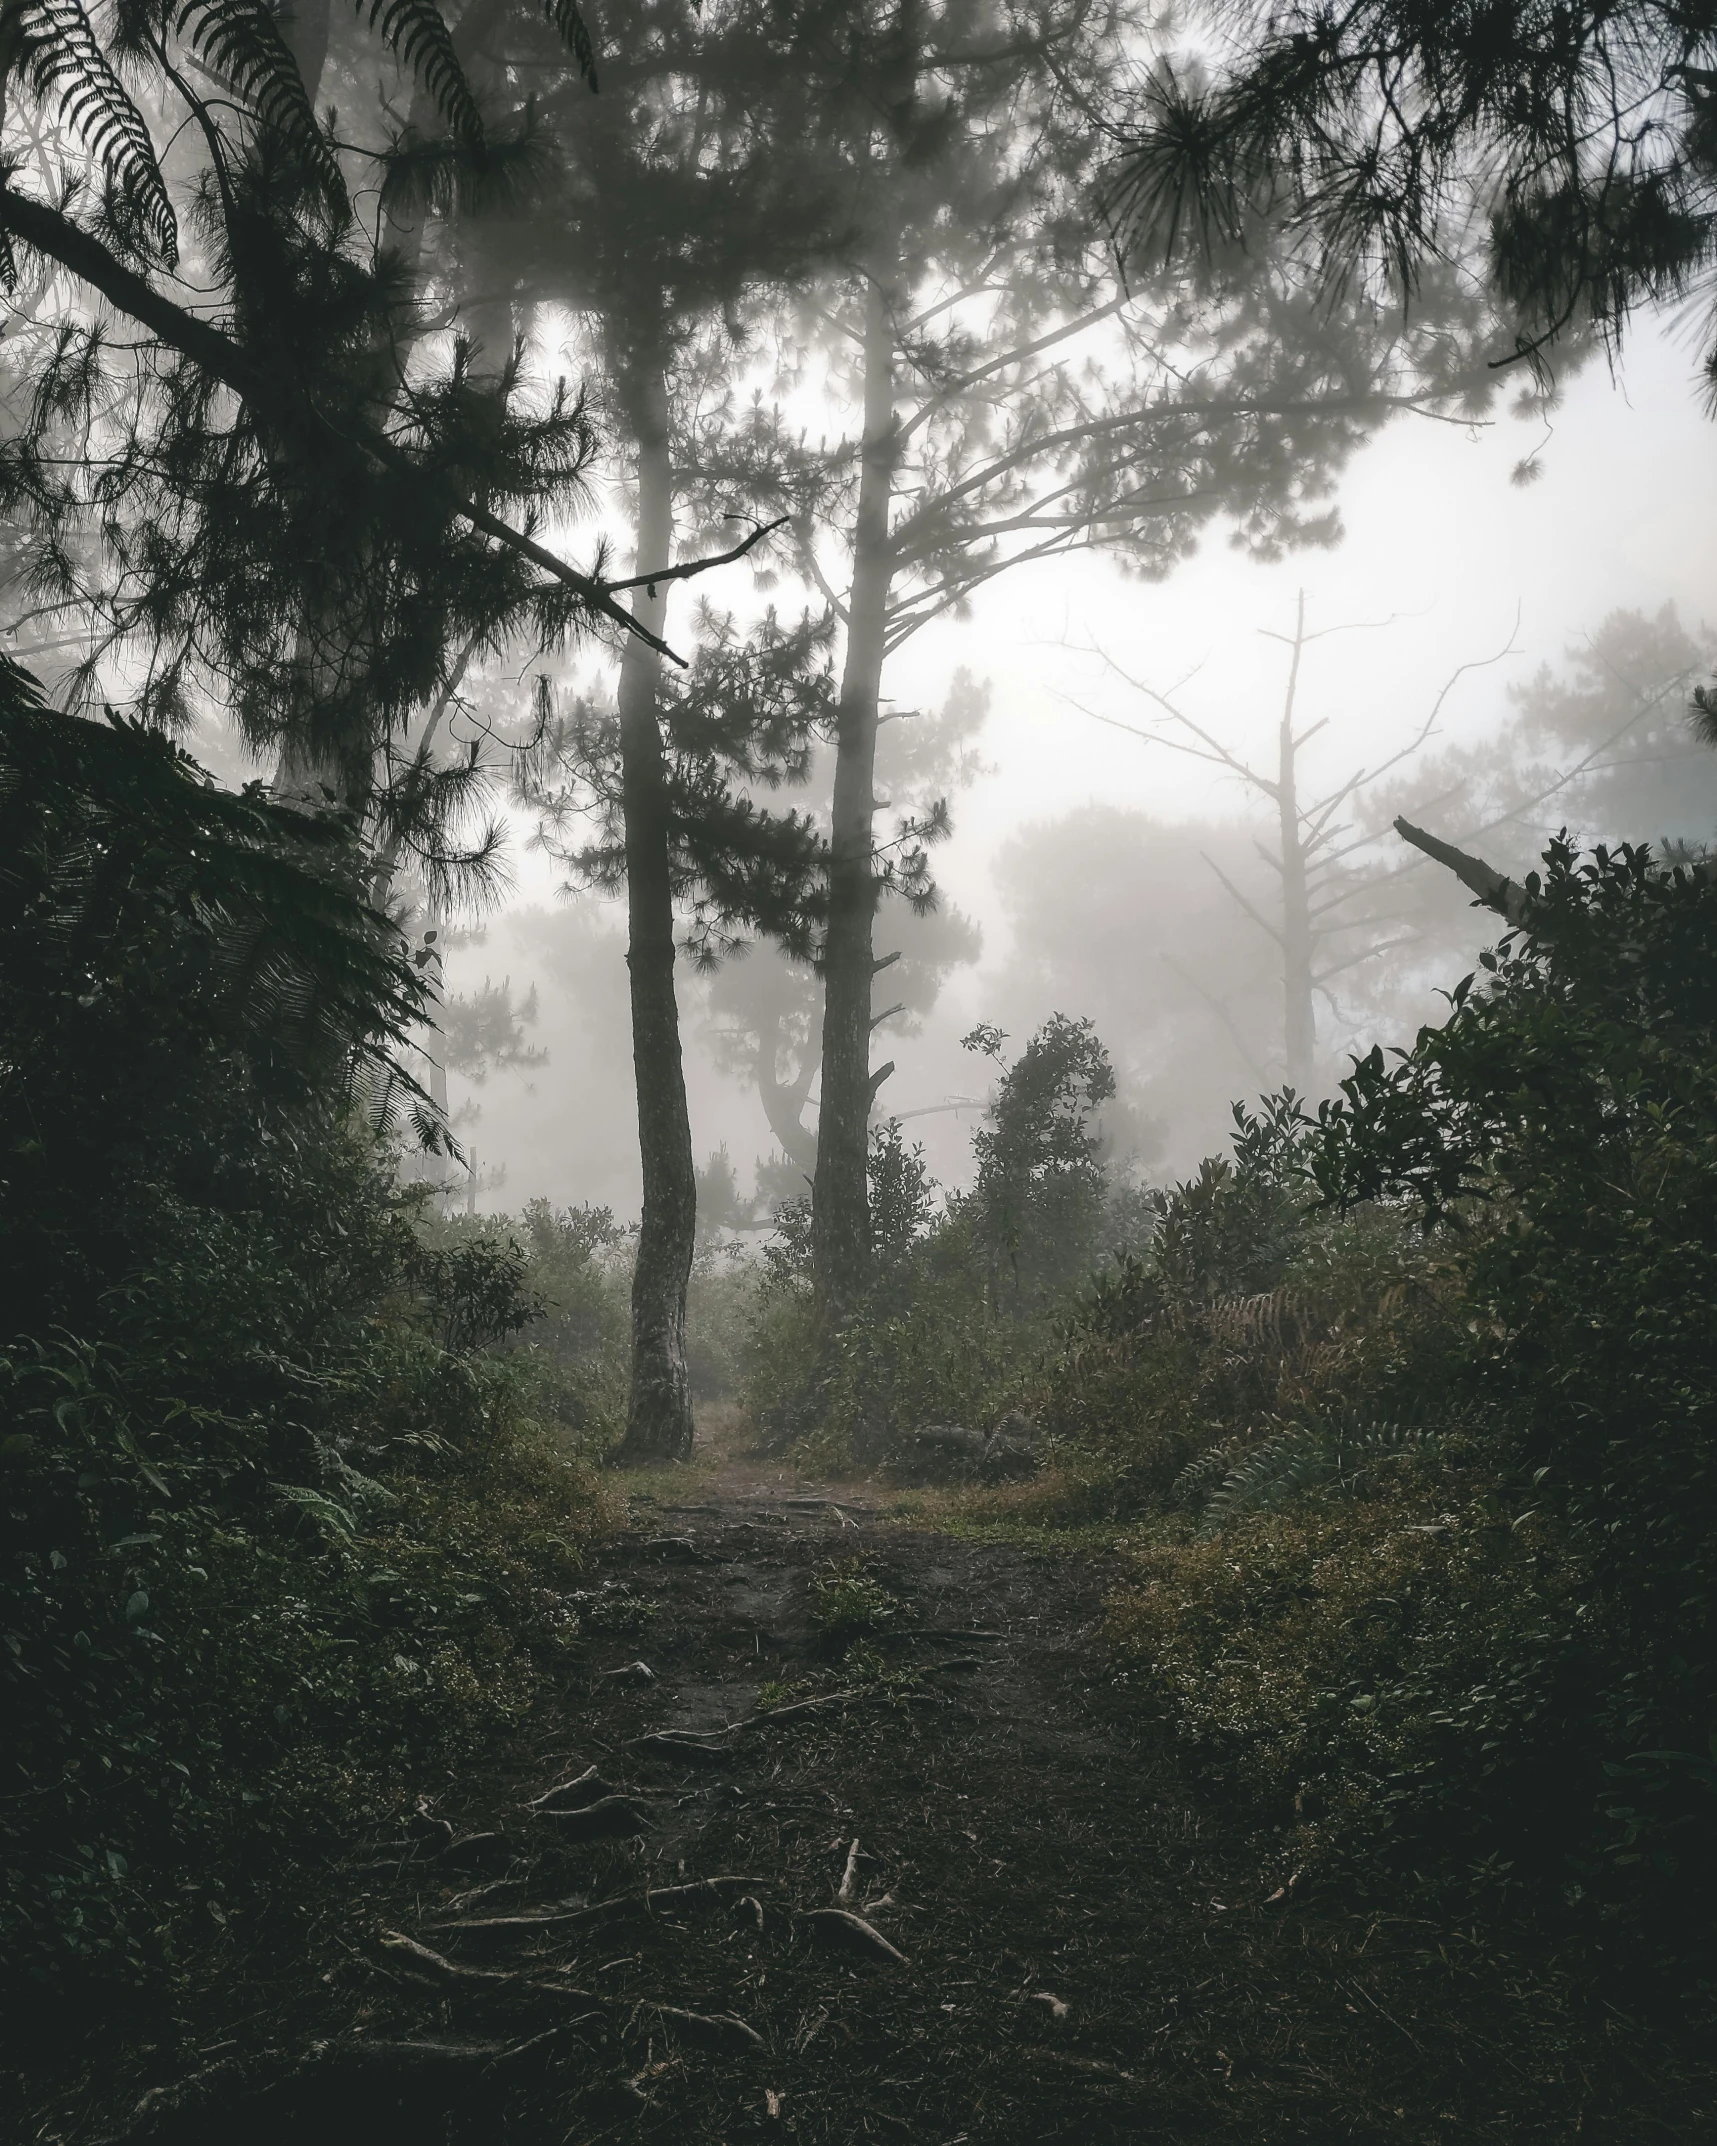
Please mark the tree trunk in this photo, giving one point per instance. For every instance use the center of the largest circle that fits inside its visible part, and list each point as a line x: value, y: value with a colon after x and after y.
x: 840, y: 1209
x: 1299, y: 1016
x: 658, y: 1418
x: 304, y: 26
x: 784, y: 1101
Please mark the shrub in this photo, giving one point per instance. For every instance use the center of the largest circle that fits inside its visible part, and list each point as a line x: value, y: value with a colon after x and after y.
x: 1411, y: 1678
x: 278, y: 1532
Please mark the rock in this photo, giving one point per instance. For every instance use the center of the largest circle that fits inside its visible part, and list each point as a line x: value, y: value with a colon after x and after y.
x: 938, y: 1452
x: 1014, y: 1447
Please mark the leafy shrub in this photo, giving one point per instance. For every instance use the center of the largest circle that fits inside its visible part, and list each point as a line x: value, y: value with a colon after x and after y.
x: 1512, y: 1664
x: 279, y: 1534
x: 1412, y: 1679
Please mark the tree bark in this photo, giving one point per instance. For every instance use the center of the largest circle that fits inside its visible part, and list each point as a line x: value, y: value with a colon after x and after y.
x: 1299, y: 1016
x: 658, y: 1417
x: 304, y: 26
x: 784, y: 1101
x: 840, y: 1207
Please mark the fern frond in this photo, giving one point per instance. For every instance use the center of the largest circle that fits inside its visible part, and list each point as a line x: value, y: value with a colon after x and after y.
x: 1256, y: 1321
x: 1336, y: 1459
x: 417, y: 31
x: 241, y: 41
x: 566, y: 20
x: 58, y: 52
x: 1204, y: 1473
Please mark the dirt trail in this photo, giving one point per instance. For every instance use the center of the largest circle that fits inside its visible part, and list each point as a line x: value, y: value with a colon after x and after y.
x: 1049, y: 1945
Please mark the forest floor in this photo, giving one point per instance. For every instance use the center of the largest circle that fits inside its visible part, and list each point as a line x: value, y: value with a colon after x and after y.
x: 917, y: 1882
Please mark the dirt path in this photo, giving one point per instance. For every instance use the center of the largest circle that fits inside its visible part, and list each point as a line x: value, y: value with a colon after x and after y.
x: 1049, y: 1944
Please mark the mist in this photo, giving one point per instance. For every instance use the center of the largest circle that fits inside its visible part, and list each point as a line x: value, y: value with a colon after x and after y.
x: 1085, y: 861
x: 858, y: 1071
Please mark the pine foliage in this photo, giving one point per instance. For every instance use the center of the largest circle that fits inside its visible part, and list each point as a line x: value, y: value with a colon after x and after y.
x: 1389, y: 135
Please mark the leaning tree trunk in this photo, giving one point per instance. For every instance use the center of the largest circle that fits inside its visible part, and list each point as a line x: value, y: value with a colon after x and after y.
x: 658, y: 1418
x: 840, y: 1208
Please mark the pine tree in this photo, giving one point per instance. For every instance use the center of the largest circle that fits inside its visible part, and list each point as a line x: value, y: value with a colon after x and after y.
x: 686, y: 184
x: 1009, y: 405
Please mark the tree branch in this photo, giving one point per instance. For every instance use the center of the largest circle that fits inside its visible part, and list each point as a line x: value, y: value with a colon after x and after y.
x: 46, y: 231
x: 1496, y: 891
x: 702, y: 566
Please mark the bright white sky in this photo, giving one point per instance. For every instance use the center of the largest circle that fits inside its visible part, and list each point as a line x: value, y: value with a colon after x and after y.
x: 1619, y: 518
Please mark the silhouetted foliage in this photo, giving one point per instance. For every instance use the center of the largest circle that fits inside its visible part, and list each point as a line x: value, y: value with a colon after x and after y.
x: 1379, y: 134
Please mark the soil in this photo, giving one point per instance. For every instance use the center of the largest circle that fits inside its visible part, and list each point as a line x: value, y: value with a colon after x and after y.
x: 1056, y: 1938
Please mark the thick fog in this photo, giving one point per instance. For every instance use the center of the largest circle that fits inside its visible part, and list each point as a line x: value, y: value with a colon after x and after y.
x: 1109, y: 875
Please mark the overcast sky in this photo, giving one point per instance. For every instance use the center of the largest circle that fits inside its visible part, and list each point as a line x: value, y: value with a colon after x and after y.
x: 1435, y: 531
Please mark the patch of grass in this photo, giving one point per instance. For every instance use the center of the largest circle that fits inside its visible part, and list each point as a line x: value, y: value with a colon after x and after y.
x: 848, y: 1602
x: 613, y: 1608
x: 1076, y: 1503
x: 863, y: 1669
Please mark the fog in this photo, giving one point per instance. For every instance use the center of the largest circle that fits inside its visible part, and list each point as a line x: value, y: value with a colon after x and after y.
x: 1081, y: 874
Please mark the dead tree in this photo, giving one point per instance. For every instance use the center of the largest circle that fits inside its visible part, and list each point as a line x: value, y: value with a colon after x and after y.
x: 1314, y: 838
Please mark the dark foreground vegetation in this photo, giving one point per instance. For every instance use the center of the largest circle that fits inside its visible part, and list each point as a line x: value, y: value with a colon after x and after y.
x: 281, y: 1528
x: 1381, y: 1451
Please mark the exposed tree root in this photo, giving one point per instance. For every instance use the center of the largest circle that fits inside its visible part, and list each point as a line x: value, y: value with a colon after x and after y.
x: 843, y: 1931
x: 708, y: 2030
x: 611, y: 1817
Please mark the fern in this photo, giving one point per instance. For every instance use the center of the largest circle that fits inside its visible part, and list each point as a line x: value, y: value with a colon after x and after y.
x: 565, y: 18
x: 57, y: 51
x: 1332, y: 1459
x: 1255, y: 1322
x: 1203, y: 1474
x: 419, y: 34
x: 241, y: 41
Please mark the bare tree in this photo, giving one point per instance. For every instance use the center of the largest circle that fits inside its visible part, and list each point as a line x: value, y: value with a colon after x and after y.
x: 1316, y: 839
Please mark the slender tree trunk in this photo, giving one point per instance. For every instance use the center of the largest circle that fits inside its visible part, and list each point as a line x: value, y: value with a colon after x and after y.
x: 1299, y: 1022
x: 784, y: 1101
x: 659, y: 1419
x: 304, y: 25
x: 840, y: 1208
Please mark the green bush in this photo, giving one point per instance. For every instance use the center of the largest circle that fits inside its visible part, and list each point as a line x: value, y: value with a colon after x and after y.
x: 1455, y: 1588
x: 1409, y: 1680
x: 280, y: 1533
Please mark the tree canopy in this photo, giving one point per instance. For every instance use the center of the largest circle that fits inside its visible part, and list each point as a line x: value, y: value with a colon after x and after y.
x: 1576, y: 145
